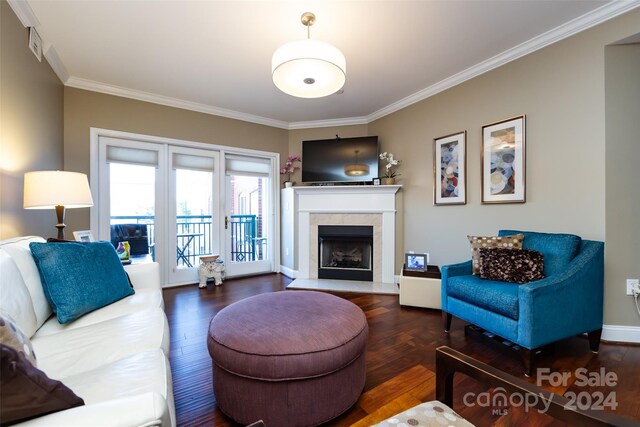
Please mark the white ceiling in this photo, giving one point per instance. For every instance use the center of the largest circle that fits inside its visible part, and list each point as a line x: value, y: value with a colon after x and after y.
x: 215, y: 56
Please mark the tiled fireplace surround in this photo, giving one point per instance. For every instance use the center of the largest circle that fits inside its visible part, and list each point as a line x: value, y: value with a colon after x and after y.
x: 347, y: 205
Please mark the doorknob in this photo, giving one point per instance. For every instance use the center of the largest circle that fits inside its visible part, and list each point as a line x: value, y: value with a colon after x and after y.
x: 226, y: 222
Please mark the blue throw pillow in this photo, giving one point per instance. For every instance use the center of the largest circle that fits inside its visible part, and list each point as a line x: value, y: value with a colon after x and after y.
x: 80, y: 277
x: 558, y: 249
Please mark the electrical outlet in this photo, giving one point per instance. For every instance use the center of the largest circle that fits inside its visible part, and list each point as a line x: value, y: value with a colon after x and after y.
x: 631, y: 285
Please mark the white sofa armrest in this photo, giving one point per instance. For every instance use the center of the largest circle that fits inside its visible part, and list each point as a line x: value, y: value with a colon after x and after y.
x: 142, y: 410
x: 144, y: 275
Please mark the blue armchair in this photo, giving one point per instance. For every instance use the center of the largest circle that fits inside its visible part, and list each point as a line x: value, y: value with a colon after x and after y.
x: 567, y: 302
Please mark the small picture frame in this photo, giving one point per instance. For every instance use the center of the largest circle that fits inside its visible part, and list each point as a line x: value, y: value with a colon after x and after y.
x: 416, y: 262
x: 35, y: 43
x: 450, y: 169
x: 503, y: 161
x: 84, y: 236
x: 375, y: 181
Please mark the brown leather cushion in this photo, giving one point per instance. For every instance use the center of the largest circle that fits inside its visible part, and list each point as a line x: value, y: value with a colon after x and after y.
x: 507, y: 265
x: 26, y: 392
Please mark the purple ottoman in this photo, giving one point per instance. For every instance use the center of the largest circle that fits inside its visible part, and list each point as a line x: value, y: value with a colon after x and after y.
x: 291, y: 358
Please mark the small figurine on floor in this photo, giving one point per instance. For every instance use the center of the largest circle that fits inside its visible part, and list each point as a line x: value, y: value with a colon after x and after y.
x: 210, y: 268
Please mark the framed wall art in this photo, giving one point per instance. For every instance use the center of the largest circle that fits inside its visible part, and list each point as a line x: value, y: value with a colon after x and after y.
x: 450, y: 169
x: 503, y: 161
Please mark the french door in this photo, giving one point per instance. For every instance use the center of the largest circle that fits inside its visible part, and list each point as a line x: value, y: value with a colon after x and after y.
x: 175, y: 201
x: 193, y: 211
x: 248, y: 224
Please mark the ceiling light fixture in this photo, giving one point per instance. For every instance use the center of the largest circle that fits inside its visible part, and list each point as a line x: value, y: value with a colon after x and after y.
x: 356, y: 169
x: 308, y: 68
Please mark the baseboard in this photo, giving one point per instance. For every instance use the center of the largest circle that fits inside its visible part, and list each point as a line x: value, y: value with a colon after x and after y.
x: 620, y: 333
x: 289, y: 272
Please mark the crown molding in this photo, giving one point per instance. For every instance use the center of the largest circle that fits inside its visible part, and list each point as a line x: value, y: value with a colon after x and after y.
x: 139, y: 95
x: 588, y: 20
x: 24, y: 13
x: 56, y: 63
x: 349, y: 121
x: 581, y: 23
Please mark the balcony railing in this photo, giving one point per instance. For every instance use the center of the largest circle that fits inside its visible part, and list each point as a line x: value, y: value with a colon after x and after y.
x: 194, y: 236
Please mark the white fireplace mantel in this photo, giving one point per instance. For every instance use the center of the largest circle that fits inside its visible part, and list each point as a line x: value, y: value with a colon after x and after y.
x: 344, y: 205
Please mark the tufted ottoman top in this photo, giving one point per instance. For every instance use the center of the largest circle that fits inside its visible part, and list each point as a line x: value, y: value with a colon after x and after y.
x: 287, y: 335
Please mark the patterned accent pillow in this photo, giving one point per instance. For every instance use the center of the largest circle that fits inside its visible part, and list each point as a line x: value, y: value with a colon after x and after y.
x: 12, y: 336
x: 429, y: 414
x: 507, y: 265
x: 492, y: 242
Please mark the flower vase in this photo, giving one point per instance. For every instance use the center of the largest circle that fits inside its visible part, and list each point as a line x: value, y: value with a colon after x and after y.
x: 388, y: 181
x: 288, y: 184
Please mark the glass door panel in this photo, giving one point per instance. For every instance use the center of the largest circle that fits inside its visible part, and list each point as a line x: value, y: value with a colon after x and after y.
x: 194, y: 183
x: 132, y: 210
x: 248, y: 224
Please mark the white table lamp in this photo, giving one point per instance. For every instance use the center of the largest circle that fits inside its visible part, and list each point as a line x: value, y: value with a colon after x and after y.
x: 57, y: 190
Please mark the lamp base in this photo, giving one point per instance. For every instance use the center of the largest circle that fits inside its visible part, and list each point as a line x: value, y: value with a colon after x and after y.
x: 60, y: 225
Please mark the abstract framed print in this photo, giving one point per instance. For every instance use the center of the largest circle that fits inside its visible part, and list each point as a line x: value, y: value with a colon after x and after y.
x: 503, y: 161
x: 450, y: 169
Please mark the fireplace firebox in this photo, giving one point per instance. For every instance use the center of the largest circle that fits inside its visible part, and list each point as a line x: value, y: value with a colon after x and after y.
x: 345, y: 252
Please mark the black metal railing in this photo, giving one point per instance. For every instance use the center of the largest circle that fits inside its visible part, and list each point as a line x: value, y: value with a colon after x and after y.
x: 193, y: 236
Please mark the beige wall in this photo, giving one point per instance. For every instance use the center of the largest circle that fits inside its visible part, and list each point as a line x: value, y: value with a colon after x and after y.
x: 561, y: 90
x: 622, y: 87
x: 31, y: 127
x: 84, y: 109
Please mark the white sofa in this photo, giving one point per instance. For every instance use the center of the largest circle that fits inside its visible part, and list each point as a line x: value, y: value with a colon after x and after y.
x: 115, y: 358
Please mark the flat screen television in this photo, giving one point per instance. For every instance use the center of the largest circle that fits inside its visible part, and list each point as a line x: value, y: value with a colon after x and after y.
x: 340, y: 160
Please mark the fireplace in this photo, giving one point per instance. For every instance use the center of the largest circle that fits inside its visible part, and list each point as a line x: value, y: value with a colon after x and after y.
x: 305, y: 208
x: 345, y: 252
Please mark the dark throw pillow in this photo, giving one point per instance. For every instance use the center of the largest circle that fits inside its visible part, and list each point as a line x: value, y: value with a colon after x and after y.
x: 507, y: 265
x: 79, y: 278
x: 490, y: 242
x: 12, y: 336
x: 26, y: 392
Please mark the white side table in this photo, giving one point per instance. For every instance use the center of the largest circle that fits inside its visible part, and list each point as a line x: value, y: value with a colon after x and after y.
x: 421, y: 288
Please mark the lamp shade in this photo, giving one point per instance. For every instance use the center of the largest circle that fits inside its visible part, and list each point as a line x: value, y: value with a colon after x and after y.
x: 308, y: 68
x: 48, y: 189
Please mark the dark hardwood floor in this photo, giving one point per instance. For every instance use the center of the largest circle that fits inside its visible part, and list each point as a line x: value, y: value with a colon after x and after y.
x: 400, y: 360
